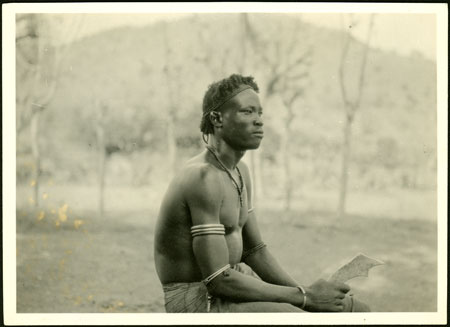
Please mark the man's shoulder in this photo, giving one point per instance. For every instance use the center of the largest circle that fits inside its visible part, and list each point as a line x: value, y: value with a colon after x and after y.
x: 194, y: 171
x: 200, y: 172
x: 200, y: 183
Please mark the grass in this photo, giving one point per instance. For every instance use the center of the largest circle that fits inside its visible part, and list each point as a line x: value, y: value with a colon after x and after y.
x: 71, y: 260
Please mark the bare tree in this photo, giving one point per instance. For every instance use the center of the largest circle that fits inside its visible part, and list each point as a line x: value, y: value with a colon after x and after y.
x: 38, y: 59
x: 288, y: 61
x: 214, y: 61
x: 120, y: 127
x: 171, y: 72
x: 351, y: 106
x: 99, y: 122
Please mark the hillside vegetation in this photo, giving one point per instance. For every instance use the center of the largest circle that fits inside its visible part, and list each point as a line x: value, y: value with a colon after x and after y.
x: 141, y: 78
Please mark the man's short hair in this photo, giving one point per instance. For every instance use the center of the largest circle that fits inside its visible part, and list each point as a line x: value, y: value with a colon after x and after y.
x: 217, y: 93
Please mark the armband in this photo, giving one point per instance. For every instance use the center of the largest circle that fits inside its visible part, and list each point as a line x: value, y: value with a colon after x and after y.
x: 301, y: 289
x: 208, y: 279
x: 252, y: 251
x: 250, y: 210
x: 207, y: 229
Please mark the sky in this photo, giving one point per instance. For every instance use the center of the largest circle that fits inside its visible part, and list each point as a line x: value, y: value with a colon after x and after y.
x: 401, y: 33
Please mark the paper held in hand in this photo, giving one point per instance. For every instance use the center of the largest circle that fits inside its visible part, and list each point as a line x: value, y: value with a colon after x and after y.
x: 358, y: 266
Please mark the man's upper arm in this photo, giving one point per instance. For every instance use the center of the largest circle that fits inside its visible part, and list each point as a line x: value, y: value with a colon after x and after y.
x: 204, y: 195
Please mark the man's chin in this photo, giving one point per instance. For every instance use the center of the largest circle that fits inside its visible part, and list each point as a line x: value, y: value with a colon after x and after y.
x: 254, y: 146
x: 247, y: 146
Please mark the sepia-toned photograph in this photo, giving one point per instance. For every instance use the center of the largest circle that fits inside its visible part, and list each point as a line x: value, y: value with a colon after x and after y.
x: 225, y: 159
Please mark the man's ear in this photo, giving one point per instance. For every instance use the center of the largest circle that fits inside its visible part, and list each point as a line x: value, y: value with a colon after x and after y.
x: 216, y: 118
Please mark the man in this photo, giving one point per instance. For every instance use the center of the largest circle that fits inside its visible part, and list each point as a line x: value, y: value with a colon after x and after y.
x: 209, y: 253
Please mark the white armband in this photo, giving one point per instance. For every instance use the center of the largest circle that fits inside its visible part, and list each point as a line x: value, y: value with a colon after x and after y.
x: 208, y: 279
x: 207, y: 229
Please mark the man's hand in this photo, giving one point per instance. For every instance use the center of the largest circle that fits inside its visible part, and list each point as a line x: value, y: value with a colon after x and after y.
x: 323, y: 296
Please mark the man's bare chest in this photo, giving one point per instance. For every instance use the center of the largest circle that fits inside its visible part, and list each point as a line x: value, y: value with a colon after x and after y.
x: 233, y: 214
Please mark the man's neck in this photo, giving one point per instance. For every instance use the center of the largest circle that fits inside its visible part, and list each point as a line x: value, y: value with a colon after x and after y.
x: 227, y: 155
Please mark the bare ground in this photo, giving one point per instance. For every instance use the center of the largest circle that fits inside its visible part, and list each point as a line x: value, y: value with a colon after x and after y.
x: 82, y: 263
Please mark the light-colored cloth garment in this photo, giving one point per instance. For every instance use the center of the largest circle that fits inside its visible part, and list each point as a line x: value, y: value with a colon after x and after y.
x: 193, y: 297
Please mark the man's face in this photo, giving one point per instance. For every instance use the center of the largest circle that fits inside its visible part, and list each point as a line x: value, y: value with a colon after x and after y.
x: 242, y: 121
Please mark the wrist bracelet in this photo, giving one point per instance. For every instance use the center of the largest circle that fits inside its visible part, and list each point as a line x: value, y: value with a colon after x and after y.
x: 304, y: 296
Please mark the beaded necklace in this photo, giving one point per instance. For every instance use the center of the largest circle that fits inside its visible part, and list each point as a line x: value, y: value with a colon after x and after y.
x: 236, y: 185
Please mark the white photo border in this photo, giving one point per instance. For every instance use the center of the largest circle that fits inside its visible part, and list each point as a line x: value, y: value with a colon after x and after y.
x: 11, y: 317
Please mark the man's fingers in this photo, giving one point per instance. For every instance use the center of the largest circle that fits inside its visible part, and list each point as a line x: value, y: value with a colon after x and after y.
x: 342, y: 287
x: 338, y: 302
x: 340, y: 295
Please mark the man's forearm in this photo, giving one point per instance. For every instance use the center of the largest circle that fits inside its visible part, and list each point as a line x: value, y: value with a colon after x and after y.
x: 321, y: 296
x: 267, y: 267
x: 242, y: 288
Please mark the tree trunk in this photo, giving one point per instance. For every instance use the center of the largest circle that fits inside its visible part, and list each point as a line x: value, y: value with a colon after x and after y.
x: 171, y: 146
x: 253, y: 173
x: 286, y: 154
x: 255, y: 159
x: 34, y: 133
x: 101, y: 167
x: 287, y: 170
x: 259, y: 173
x: 346, y: 151
x: 172, y: 103
x: 288, y: 178
x: 351, y: 107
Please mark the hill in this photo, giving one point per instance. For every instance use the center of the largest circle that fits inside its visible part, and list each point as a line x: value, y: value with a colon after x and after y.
x: 144, y: 77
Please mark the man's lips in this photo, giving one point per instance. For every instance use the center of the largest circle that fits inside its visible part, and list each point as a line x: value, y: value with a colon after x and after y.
x: 258, y: 133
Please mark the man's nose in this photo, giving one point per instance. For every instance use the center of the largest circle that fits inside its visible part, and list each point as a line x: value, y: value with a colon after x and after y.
x: 259, y: 121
